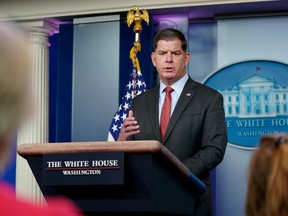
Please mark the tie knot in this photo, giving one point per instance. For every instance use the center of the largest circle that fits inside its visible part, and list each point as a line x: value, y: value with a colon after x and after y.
x: 168, y: 89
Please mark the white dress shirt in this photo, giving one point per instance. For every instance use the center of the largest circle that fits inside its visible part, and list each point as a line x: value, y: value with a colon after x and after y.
x: 178, y: 87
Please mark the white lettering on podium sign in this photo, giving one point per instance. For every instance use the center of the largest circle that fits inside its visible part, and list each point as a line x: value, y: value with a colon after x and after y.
x: 83, y: 168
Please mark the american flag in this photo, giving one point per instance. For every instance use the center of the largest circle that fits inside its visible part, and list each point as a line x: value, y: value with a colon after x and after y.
x: 122, y: 113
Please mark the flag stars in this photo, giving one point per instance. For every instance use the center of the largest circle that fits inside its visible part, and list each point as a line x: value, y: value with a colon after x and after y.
x: 139, y: 83
x: 120, y: 107
x: 124, y: 116
x: 128, y: 95
x: 116, y: 117
x: 126, y: 106
x: 135, y: 86
x: 114, y: 128
x: 129, y: 85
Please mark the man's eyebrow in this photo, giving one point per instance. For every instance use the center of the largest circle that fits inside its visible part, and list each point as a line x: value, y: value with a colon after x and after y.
x: 170, y: 51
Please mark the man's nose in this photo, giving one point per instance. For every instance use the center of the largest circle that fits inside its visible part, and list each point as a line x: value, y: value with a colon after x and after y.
x: 169, y: 57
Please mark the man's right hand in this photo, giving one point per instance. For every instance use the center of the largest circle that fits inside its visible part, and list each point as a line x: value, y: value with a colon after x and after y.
x: 129, y: 128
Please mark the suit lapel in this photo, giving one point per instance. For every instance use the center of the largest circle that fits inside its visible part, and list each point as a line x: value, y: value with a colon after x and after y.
x: 153, y: 111
x: 187, y: 94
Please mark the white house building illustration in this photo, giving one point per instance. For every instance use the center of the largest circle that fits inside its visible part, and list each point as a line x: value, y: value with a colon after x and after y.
x: 255, y: 96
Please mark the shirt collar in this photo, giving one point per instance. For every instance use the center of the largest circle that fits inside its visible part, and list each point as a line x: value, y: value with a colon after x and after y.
x: 177, y: 86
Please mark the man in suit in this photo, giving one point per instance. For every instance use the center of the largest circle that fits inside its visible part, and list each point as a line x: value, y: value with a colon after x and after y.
x: 196, y: 132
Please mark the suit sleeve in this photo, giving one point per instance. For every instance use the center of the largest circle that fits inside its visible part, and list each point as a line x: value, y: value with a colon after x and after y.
x: 214, y: 140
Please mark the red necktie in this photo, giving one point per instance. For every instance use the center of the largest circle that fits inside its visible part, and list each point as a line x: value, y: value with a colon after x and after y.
x: 166, y: 110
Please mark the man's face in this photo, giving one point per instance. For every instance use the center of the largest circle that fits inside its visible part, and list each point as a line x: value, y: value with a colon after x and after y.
x: 170, y: 60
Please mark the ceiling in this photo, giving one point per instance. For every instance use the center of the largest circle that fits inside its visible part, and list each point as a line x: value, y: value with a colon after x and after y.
x: 209, y: 9
x: 228, y: 10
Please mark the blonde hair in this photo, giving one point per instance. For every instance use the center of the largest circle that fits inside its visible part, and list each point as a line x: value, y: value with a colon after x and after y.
x: 14, y: 76
x: 268, y: 178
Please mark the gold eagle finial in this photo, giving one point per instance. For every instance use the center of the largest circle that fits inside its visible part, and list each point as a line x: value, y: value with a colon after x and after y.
x: 137, y: 15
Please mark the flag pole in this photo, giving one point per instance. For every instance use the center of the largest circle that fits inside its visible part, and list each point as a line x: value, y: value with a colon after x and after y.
x: 136, y: 81
x: 136, y: 15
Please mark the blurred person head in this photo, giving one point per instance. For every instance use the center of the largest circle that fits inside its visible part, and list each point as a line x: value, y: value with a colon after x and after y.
x: 267, y: 193
x: 15, y: 106
x: 14, y: 84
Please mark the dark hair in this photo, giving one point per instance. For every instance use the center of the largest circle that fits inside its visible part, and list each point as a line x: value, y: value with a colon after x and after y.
x: 170, y: 34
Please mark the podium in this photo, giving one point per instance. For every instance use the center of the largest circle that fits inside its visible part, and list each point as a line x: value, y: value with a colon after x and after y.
x: 114, y: 178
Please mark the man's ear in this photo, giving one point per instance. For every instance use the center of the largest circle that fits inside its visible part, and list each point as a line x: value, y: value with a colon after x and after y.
x: 153, y: 58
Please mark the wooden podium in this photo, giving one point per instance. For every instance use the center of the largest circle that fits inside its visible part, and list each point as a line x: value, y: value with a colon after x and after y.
x: 114, y: 178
